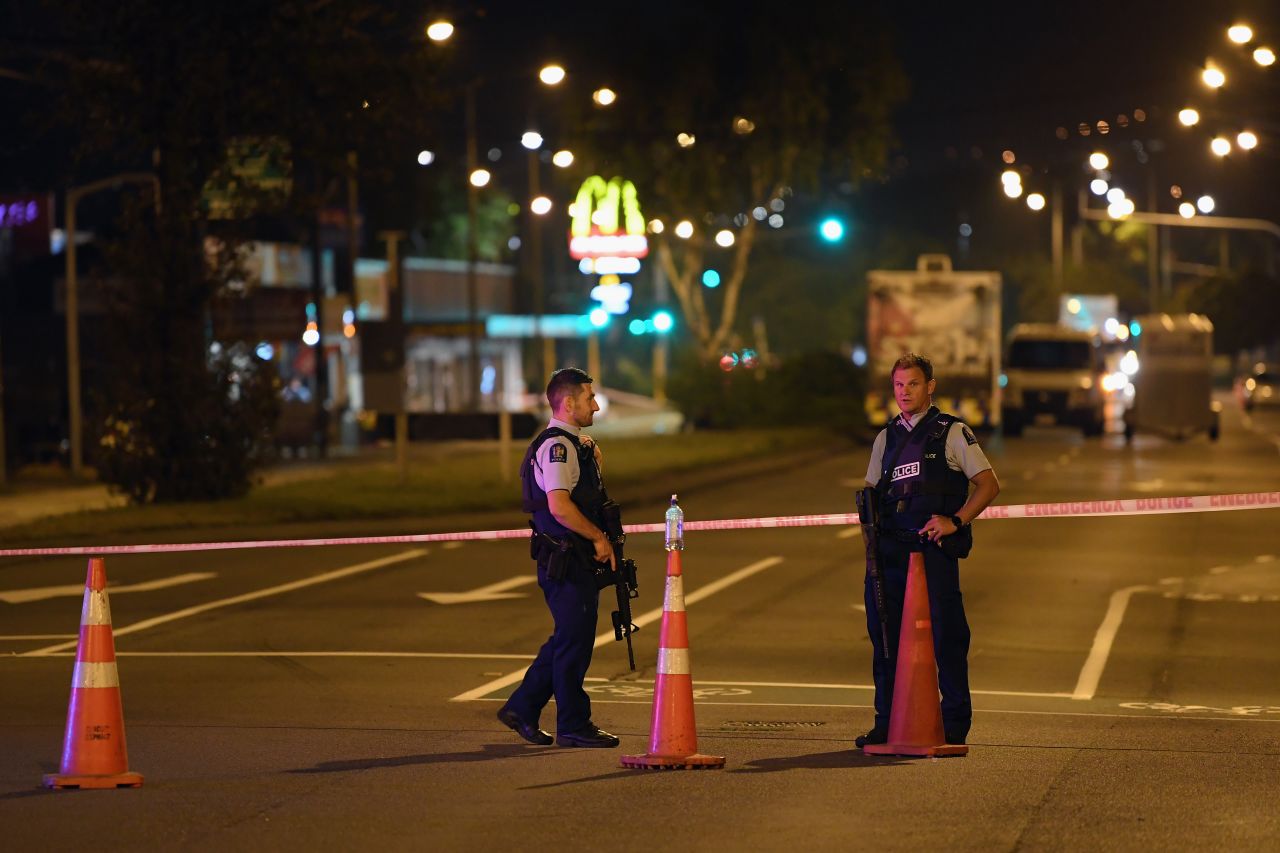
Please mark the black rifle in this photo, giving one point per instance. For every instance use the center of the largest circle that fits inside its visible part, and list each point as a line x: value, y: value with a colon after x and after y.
x: 868, y: 503
x: 623, y: 579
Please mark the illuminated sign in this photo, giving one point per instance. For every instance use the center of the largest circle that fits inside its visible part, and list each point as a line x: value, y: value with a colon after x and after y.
x: 607, y: 222
x: 608, y: 265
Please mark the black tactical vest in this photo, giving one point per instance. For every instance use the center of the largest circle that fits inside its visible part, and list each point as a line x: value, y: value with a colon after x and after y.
x: 588, y: 495
x: 915, y: 481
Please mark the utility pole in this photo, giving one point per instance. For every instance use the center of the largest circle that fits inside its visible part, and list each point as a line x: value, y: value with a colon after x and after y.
x: 473, y: 311
x: 1056, y: 237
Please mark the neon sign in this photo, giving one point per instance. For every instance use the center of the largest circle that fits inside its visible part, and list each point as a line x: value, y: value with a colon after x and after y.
x: 607, y: 222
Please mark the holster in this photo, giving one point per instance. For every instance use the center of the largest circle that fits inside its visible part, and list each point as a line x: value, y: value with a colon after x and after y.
x: 956, y: 546
x: 558, y: 555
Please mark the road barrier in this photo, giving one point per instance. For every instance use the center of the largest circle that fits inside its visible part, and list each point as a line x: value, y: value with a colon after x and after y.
x: 1069, y: 509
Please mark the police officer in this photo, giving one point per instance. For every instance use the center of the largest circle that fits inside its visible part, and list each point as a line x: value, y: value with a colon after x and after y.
x: 922, y: 465
x: 562, y: 489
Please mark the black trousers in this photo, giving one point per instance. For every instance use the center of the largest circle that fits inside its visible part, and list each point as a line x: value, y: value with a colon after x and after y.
x: 950, y: 631
x: 563, y: 661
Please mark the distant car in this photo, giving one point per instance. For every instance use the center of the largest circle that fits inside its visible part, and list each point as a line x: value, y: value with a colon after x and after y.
x: 1053, y: 375
x: 1260, y: 388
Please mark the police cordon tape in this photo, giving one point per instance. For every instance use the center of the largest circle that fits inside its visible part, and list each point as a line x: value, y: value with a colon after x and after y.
x: 1069, y: 509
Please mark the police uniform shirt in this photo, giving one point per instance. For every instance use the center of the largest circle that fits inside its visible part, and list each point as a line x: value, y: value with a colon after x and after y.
x: 963, y: 452
x: 555, y: 466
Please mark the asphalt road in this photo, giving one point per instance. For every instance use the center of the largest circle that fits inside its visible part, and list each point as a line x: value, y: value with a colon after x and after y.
x: 1126, y: 674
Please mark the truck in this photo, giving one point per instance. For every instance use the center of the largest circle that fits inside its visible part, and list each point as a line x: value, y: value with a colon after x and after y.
x: 952, y: 318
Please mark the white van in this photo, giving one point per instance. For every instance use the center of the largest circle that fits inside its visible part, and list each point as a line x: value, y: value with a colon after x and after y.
x: 1052, y: 376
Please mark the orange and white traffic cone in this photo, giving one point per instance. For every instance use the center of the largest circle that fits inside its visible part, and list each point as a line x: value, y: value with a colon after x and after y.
x: 915, y: 722
x: 93, y: 748
x: 673, y: 735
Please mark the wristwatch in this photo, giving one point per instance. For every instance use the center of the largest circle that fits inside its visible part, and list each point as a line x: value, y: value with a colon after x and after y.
x: 955, y: 519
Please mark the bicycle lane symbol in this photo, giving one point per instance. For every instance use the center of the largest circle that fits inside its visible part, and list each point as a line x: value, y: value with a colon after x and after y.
x: 1234, y: 711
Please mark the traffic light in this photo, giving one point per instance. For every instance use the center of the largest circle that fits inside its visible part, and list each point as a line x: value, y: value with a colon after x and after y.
x: 831, y: 229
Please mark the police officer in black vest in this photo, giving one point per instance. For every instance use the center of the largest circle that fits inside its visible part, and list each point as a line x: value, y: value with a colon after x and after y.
x: 922, y: 465
x: 562, y: 489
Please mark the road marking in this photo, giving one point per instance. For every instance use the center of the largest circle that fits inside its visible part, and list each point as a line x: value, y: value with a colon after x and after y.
x: 277, y: 654
x: 336, y: 574
x: 450, y: 546
x: 1091, y: 673
x: 639, y: 621
x: 1218, y: 570
x: 38, y: 636
x: 856, y: 530
x: 492, y: 592
x: 1264, y: 558
x: 22, y: 596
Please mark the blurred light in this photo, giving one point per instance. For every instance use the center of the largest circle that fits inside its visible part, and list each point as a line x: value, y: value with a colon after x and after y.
x: 426, y: 158
x: 749, y: 358
x: 1127, y: 206
x: 728, y: 361
x: 832, y: 229
x: 777, y: 205
x: 1129, y: 364
x: 1013, y: 190
x: 760, y: 214
x: 724, y: 238
x: 1264, y: 56
x: 1104, y: 128
x: 480, y: 177
x: 609, y: 264
x: 609, y: 280
x: 1213, y: 77
x: 1205, y: 204
x: 636, y: 326
x: 1035, y: 201
x: 966, y: 230
x: 1250, y: 383
x: 656, y: 226
x: 1098, y: 186
x: 711, y: 278
x: 1116, y: 209
x: 1008, y: 156
x: 531, y: 139
x: 1220, y: 146
x: 663, y: 321
x: 1115, y: 194
x: 604, y: 97
x: 742, y: 126
x: 311, y: 336
x: 1240, y: 33
x: 1110, y: 325
x: 1140, y: 115
x: 494, y: 155
x: 684, y: 229
x: 1135, y: 328
x: 348, y: 316
x: 1114, y: 382
x: 563, y: 159
x: 514, y: 244
x: 513, y: 209
x: 599, y: 317
x: 685, y: 140
x: 439, y: 31
x: 1073, y: 305
x: 1086, y: 382
x: 349, y: 330
x: 860, y: 356
x: 1010, y: 176
x: 265, y: 351
x: 1175, y: 191
x: 1122, y: 333
x: 540, y: 205
x: 551, y: 74
x: 775, y: 221
x: 1098, y: 160
x: 1247, y: 140
x: 1188, y: 116
x: 1003, y: 381
x: 1186, y: 210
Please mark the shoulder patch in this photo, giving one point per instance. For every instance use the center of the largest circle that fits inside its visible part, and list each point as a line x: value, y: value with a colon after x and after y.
x: 559, y: 453
x: 968, y: 434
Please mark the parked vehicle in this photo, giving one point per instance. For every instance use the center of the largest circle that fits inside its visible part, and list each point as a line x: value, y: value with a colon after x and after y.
x: 1053, y: 375
x: 1173, y: 385
x: 1259, y: 387
x: 951, y: 317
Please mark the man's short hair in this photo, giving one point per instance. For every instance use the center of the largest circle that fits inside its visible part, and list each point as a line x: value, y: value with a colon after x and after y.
x: 911, y: 360
x: 565, y: 383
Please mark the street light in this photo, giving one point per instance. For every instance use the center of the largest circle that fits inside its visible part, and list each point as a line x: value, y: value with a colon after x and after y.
x: 1213, y: 77
x: 439, y: 31
x: 1035, y: 201
x: 1247, y: 140
x: 1264, y: 56
x: 540, y: 205
x: 724, y: 238
x: 1013, y: 189
x: 1188, y: 117
x: 531, y: 139
x: 1115, y: 194
x: 1009, y: 176
x: 1220, y: 146
x: 1098, y: 186
x: 685, y: 140
x: 551, y: 74
x: 563, y: 159
x: 604, y: 97
x: 1205, y: 203
x: 426, y: 158
x: 656, y: 226
x: 1099, y: 161
x: 1240, y: 33
x: 1186, y: 210
x: 684, y: 229
x: 480, y: 177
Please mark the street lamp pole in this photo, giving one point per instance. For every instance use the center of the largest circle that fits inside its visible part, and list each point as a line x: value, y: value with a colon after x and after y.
x: 74, y: 194
x: 473, y: 311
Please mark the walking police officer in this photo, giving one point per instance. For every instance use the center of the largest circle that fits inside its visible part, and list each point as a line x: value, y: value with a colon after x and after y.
x: 921, y: 467
x: 563, y: 491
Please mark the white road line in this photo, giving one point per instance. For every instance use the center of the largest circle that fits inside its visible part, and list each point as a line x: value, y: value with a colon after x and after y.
x: 276, y: 654
x: 22, y: 596
x: 336, y: 574
x: 39, y: 636
x: 855, y: 530
x: 800, y: 684
x: 492, y: 592
x: 639, y: 621
x: 1091, y: 673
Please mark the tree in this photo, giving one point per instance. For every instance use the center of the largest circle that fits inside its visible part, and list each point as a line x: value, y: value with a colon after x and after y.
x: 723, y: 113
x: 178, y: 89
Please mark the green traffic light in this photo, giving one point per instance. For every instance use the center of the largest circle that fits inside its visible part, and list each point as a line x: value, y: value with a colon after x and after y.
x: 831, y: 229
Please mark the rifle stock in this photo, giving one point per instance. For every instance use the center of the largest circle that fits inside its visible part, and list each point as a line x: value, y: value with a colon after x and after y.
x: 868, y: 504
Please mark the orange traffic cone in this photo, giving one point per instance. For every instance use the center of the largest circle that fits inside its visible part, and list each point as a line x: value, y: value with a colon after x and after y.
x: 915, y: 723
x: 93, y: 749
x: 673, y: 735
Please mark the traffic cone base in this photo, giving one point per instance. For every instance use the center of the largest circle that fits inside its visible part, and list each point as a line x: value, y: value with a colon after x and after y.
x: 117, y: 780
x: 673, y: 736
x: 915, y: 720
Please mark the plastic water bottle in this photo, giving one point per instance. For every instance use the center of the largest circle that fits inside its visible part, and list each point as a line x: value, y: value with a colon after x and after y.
x: 675, y: 526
